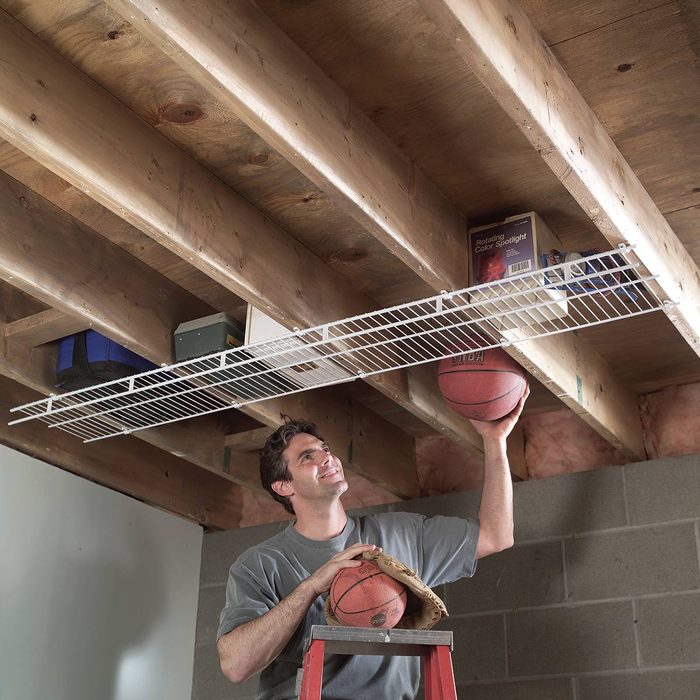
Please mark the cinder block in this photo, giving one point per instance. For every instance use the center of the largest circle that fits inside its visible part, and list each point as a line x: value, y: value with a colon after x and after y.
x: 479, y: 647
x: 549, y: 689
x: 211, y: 601
x: 221, y: 549
x: 527, y: 575
x: 649, y: 685
x: 563, y: 505
x: 463, y: 504
x: 634, y: 562
x: 663, y: 489
x: 592, y: 637
x: 211, y: 684
x: 669, y: 629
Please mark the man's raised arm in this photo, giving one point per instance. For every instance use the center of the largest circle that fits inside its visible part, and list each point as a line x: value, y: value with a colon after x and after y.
x: 496, y: 508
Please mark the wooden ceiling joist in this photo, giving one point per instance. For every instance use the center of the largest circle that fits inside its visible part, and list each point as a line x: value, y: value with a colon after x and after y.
x: 51, y: 187
x: 40, y: 252
x: 246, y: 61
x: 32, y: 367
x: 499, y: 43
x: 113, y: 292
x: 255, y: 69
x: 43, y: 327
x: 126, y: 465
x: 75, y: 128
x: 248, y: 440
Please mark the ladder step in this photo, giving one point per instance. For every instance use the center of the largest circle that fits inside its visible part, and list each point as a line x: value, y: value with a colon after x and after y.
x: 434, y: 646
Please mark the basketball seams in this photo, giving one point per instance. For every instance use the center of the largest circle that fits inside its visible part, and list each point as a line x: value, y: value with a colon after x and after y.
x: 349, y: 588
x: 479, y: 370
x: 487, y: 401
x: 485, y: 389
x: 394, y: 603
x: 375, y: 607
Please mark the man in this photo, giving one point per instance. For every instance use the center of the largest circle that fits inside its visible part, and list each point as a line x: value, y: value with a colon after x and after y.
x: 276, y: 589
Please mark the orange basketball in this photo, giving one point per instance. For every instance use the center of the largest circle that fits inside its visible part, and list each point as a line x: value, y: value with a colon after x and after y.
x: 483, y: 385
x: 364, y: 596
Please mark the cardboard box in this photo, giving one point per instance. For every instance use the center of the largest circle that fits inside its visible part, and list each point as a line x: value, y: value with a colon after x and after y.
x: 506, y: 249
x: 260, y: 327
x: 204, y: 336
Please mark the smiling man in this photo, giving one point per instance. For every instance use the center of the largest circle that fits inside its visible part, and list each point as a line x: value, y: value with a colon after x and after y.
x: 275, y: 589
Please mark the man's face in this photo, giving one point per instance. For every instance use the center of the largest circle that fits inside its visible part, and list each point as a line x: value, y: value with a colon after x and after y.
x: 316, y: 473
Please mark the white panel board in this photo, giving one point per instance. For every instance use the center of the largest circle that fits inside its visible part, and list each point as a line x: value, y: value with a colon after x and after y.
x: 98, y: 592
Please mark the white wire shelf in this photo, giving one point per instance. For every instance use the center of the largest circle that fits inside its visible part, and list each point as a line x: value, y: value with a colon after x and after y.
x: 592, y: 290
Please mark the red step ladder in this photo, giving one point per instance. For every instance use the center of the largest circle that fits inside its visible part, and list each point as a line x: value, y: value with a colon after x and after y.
x: 434, y: 646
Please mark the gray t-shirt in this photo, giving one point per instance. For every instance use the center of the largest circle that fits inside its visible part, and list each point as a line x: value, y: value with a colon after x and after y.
x: 441, y: 549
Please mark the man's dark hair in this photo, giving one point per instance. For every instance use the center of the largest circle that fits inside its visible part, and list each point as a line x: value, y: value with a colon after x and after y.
x: 273, y: 467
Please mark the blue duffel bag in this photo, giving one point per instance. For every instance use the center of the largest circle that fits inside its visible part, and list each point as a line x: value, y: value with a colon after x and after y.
x: 88, y: 358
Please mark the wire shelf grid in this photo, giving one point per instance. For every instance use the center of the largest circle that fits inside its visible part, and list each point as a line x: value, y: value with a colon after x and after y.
x: 589, y: 291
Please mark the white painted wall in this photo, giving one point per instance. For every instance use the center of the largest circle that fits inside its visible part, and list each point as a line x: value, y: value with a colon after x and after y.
x: 98, y: 592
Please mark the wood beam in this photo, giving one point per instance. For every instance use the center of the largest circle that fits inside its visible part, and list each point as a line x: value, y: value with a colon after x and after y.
x: 499, y: 43
x: 248, y: 440
x: 43, y: 327
x: 126, y: 300
x: 54, y: 113
x: 126, y: 465
x: 50, y: 256
x: 278, y: 91
x: 32, y: 367
x: 83, y: 275
x: 112, y: 227
x: 275, y: 88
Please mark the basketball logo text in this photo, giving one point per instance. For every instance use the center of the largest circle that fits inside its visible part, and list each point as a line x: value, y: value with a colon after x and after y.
x: 477, y: 356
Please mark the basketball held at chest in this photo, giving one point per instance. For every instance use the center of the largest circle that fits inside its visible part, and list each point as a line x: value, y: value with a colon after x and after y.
x: 481, y: 385
x: 365, y: 596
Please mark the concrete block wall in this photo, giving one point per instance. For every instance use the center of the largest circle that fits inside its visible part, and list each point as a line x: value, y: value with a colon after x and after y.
x: 599, y: 599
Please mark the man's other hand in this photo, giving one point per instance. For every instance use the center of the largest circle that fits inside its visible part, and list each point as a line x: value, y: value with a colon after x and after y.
x: 322, y: 578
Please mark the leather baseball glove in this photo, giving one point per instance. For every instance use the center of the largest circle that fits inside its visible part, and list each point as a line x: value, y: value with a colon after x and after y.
x: 424, y: 609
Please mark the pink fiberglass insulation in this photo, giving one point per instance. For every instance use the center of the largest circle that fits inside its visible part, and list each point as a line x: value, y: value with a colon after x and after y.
x: 671, y: 421
x: 559, y: 442
x: 444, y: 467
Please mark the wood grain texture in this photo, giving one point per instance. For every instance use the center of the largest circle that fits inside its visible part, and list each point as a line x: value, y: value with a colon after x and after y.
x: 54, y: 258
x: 634, y: 62
x: 499, y: 43
x: 109, y: 50
x: 142, y: 177
x: 43, y: 327
x: 32, y: 367
x: 132, y: 304
x: 169, y: 196
x: 110, y: 226
x: 240, y: 56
